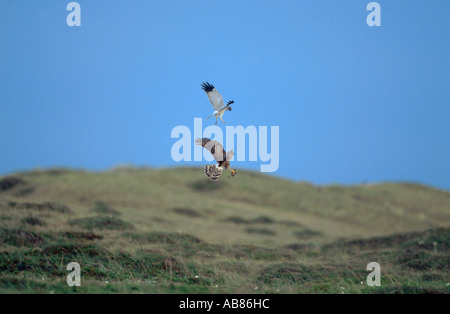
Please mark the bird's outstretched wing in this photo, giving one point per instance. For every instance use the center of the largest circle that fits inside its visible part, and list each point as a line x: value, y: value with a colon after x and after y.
x: 214, y: 147
x: 215, y: 98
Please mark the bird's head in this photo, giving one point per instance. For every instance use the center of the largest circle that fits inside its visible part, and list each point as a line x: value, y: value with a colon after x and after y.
x: 229, y: 108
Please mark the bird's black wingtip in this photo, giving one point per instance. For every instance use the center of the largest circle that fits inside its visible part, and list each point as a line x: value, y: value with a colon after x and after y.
x: 207, y: 87
x: 230, y: 102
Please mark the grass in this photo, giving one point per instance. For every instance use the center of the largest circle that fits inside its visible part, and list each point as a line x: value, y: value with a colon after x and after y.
x: 101, y: 207
x: 101, y: 223
x: 248, y: 234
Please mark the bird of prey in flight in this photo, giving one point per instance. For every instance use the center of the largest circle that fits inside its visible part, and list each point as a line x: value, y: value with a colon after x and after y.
x: 223, y: 158
x: 216, y: 99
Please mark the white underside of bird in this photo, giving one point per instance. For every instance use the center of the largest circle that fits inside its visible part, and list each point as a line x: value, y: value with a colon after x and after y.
x: 219, y: 113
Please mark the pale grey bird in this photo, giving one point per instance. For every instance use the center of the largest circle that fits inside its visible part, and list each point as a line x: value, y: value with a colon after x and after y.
x: 216, y: 99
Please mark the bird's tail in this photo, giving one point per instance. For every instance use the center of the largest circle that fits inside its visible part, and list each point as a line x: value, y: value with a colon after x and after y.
x: 213, y: 172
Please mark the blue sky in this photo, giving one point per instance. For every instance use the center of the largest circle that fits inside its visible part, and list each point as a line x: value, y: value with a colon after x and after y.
x: 353, y: 103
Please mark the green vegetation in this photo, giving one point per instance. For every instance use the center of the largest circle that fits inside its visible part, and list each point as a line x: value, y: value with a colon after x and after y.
x: 101, y: 207
x: 100, y: 222
x: 179, y: 232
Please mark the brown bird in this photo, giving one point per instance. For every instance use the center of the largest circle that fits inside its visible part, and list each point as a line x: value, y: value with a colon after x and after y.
x: 220, y: 155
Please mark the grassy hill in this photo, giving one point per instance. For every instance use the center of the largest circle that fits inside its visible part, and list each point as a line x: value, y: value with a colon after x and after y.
x: 173, y: 230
